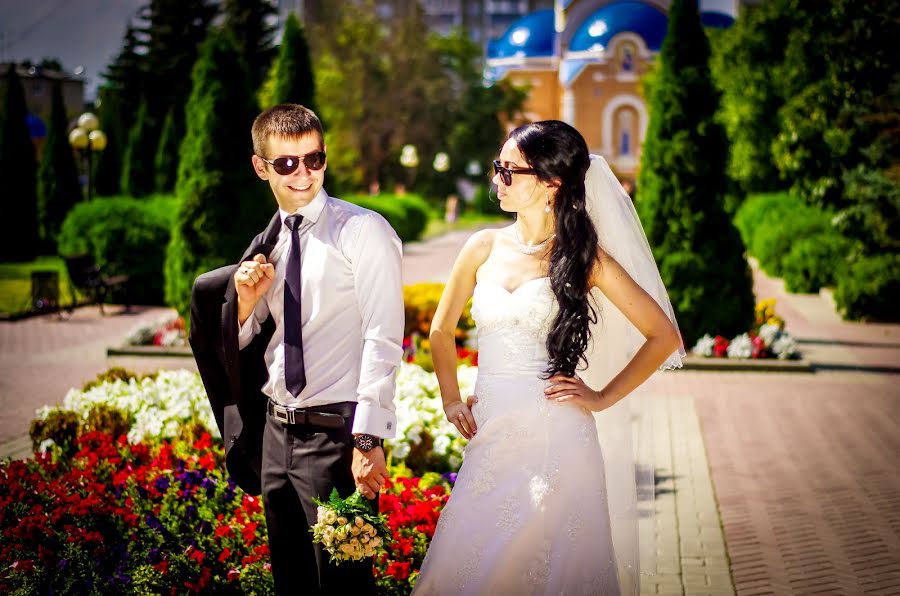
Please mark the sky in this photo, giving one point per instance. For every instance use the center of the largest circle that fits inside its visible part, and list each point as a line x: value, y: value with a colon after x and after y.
x: 86, y: 33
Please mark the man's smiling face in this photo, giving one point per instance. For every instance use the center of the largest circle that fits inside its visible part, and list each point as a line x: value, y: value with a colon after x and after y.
x: 297, y: 189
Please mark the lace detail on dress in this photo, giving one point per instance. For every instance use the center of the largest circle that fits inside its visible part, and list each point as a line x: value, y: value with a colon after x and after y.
x: 481, y: 479
x: 539, y: 568
x: 510, y: 516
x: 469, y: 567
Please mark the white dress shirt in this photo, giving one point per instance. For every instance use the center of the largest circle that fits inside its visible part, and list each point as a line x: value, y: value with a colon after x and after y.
x: 351, y: 309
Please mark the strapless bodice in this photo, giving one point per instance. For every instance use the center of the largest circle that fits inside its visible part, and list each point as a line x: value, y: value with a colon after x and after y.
x: 512, y: 327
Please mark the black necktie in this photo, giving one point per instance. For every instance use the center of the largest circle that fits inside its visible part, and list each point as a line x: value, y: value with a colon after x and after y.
x: 294, y: 369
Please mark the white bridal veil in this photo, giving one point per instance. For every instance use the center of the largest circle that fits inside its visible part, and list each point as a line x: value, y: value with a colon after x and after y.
x: 625, y: 429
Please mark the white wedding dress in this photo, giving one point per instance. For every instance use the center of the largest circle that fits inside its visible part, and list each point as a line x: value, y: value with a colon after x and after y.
x: 528, y: 514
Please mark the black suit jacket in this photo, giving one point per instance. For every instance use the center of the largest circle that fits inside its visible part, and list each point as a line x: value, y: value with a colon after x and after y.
x: 233, y: 378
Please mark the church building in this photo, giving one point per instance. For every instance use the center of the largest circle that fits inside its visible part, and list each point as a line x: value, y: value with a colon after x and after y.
x: 583, y: 61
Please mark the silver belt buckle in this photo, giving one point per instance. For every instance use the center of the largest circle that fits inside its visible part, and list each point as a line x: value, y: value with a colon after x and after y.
x: 283, y: 414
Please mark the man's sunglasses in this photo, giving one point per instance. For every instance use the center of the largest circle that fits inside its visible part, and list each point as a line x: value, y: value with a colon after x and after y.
x: 506, y: 173
x: 289, y: 164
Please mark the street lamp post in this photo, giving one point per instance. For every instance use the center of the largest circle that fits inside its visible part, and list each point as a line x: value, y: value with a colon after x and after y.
x: 87, y: 138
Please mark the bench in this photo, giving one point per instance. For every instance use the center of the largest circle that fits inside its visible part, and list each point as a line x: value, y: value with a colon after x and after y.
x: 88, y: 278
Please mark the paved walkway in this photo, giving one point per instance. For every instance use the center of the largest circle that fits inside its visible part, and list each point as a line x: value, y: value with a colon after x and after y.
x: 768, y: 483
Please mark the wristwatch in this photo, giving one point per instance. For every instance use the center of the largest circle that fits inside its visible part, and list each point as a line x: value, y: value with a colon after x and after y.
x: 366, y: 443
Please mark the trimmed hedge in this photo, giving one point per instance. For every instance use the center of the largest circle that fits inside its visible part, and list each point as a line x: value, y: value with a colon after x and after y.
x: 408, y: 214
x: 771, y: 224
x: 815, y: 262
x: 124, y: 235
x: 869, y: 289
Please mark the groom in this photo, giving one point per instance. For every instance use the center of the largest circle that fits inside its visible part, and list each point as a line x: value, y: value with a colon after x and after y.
x: 297, y: 346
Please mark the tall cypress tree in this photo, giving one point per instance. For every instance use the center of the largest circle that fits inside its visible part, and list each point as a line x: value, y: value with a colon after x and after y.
x: 125, y: 80
x: 173, y: 30
x: 108, y: 166
x: 137, y: 167
x: 18, y: 172
x: 250, y: 23
x: 222, y: 204
x: 682, y: 185
x: 58, y: 185
x: 293, y: 72
x: 166, y: 162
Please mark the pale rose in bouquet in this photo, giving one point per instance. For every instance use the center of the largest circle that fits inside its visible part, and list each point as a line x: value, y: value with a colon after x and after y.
x: 348, y: 529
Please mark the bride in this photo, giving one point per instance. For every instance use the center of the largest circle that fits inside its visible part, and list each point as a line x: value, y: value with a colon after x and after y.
x: 571, y: 317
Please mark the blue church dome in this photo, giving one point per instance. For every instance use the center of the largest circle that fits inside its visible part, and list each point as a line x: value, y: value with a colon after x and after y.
x: 617, y: 17
x: 531, y: 36
x: 719, y: 20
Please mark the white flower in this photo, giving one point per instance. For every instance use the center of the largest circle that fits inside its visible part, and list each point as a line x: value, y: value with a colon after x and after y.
x: 330, y: 517
x: 785, y: 347
x: 740, y: 347
x: 704, y: 346
x: 46, y: 445
x: 769, y: 333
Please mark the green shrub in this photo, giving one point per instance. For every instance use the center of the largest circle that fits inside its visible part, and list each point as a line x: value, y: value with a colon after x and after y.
x: 869, y: 289
x: 407, y: 214
x: 815, y: 262
x: 486, y: 201
x: 775, y: 238
x: 771, y: 224
x: 759, y: 207
x: 698, y: 285
x: 125, y: 236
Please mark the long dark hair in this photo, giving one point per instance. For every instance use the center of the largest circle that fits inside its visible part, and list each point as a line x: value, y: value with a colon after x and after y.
x: 558, y: 152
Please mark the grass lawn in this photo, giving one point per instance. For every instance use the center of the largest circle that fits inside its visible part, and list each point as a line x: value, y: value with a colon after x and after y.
x: 15, y: 283
x: 468, y: 220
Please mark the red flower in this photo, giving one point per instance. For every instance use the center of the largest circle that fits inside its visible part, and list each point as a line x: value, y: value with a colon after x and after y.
x: 720, y: 348
x: 233, y: 575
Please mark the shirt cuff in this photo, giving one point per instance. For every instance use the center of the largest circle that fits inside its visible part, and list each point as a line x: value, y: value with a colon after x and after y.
x: 374, y: 420
x: 247, y: 331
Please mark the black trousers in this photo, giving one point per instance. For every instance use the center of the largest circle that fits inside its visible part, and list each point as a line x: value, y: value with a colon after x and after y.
x: 301, y: 462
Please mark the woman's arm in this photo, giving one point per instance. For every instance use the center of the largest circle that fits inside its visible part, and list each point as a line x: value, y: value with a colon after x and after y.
x: 457, y: 292
x: 649, y: 319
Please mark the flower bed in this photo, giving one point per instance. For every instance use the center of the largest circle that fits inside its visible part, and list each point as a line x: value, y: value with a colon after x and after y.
x: 767, y: 339
x: 168, y: 331
x: 128, y: 492
x: 144, y: 518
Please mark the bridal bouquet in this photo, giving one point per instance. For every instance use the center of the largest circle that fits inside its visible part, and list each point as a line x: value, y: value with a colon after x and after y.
x: 348, y: 528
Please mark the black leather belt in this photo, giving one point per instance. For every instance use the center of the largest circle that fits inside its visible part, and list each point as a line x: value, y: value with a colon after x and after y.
x: 332, y: 416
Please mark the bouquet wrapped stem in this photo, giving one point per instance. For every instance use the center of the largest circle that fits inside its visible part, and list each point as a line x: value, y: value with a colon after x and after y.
x: 348, y: 529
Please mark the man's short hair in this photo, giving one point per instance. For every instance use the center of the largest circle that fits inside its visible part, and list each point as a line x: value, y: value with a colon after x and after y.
x: 290, y: 120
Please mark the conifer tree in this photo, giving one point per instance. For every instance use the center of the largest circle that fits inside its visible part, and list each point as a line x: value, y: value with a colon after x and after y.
x: 250, y: 22
x: 222, y: 204
x: 18, y: 171
x: 166, y: 162
x: 137, y: 169
x: 291, y: 77
x: 108, y: 166
x: 58, y: 185
x: 682, y: 185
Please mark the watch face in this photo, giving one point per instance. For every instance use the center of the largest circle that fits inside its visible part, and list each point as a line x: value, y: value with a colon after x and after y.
x: 365, y: 442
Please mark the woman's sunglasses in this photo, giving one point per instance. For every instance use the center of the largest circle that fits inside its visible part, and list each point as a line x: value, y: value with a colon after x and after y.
x: 289, y: 164
x: 506, y: 173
